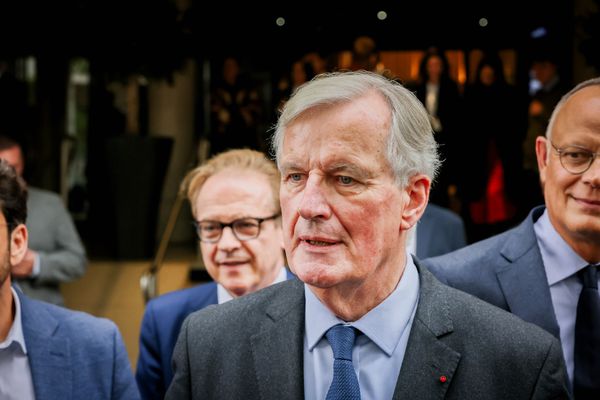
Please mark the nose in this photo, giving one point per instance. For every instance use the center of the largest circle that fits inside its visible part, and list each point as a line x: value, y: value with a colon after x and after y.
x: 228, y: 242
x: 592, y: 175
x: 314, y: 203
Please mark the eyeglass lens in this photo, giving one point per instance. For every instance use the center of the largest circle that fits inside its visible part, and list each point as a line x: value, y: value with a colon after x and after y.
x: 576, y: 160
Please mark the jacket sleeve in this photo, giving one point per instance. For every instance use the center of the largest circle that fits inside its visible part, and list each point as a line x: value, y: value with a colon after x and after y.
x: 65, y: 260
x: 149, y: 374
x: 124, y: 387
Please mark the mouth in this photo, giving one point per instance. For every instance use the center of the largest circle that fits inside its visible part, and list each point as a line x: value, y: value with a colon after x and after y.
x: 318, y: 242
x: 232, y: 263
x: 588, y: 202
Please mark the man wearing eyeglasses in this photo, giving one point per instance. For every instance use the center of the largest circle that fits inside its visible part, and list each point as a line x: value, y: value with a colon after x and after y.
x: 235, y: 204
x: 544, y: 269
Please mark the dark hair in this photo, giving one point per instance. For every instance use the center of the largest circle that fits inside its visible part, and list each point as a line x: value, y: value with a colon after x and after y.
x: 13, y: 196
x: 7, y: 143
x: 430, y: 53
x: 494, y: 62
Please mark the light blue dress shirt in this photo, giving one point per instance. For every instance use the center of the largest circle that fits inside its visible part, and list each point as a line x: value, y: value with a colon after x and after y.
x: 561, y: 264
x: 15, y: 374
x: 378, y: 352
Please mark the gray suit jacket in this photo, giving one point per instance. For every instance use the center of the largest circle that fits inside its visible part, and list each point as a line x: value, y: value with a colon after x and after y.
x: 252, y: 348
x: 53, y: 235
x: 439, y: 231
x: 505, y: 270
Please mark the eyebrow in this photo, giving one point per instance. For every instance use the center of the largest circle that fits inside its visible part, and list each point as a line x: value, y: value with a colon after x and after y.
x: 577, y: 146
x: 351, y: 168
x: 290, y: 165
x: 334, y: 167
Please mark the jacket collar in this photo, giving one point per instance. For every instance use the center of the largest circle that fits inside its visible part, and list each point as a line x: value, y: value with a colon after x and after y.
x: 48, y: 352
x: 427, y: 358
x: 523, y: 277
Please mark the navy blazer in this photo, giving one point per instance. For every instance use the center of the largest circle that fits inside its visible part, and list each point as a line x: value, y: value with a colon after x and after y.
x: 160, y: 327
x: 73, y: 355
x: 506, y: 270
x: 439, y: 231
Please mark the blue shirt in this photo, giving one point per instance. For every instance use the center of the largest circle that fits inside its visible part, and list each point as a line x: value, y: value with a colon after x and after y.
x: 562, y: 264
x: 15, y: 374
x: 378, y: 352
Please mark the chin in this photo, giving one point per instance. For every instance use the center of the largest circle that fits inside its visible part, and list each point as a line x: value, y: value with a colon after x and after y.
x: 587, y: 230
x: 318, y: 275
x: 237, y: 288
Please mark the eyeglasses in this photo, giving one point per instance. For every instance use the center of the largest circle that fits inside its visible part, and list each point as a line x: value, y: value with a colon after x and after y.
x: 243, y: 229
x: 575, y: 159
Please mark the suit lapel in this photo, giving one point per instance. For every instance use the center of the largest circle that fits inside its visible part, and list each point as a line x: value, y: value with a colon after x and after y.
x: 523, y: 278
x: 48, y: 354
x: 427, y: 360
x: 279, y: 345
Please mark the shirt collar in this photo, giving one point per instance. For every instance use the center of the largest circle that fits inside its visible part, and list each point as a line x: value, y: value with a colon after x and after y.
x: 560, y: 260
x: 383, y: 325
x: 224, y: 296
x: 15, y: 334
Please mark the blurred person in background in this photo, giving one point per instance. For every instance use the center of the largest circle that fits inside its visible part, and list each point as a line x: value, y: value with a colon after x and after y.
x: 438, y: 232
x: 440, y: 96
x: 490, y: 152
x: 235, y: 110
x: 235, y: 203
x: 546, y: 90
x: 55, y: 254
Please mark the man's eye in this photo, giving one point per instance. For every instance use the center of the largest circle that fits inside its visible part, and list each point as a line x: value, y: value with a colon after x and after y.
x: 246, y: 224
x: 345, y: 180
x: 295, y: 177
x: 577, y: 155
x: 209, y: 228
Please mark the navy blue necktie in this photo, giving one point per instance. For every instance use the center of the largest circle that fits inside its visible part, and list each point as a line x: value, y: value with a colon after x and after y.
x: 344, y: 385
x: 586, y: 382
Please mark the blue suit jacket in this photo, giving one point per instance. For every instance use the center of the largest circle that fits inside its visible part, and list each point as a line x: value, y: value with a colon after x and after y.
x: 73, y: 355
x: 439, y: 231
x: 161, y: 324
x: 506, y: 270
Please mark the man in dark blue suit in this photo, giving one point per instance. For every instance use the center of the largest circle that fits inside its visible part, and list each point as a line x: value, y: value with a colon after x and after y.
x: 534, y: 269
x: 46, y: 351
x: 438, y: 232
x: 235, y: 203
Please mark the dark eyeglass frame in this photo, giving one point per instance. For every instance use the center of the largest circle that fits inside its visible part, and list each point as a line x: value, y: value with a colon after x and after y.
x: 561, y: 151
x: 232, y: 225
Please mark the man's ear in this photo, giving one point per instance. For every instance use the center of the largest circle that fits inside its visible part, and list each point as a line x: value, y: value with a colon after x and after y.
x: 18, y: 244
x: 417, y: 194
x: 542, y: 154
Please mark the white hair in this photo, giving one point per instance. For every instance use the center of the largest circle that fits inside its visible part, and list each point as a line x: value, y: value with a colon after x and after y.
x: 411, y: 147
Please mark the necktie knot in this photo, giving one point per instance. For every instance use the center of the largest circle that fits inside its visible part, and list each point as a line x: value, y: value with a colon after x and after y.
x: 589, y: 277
x: 341, y: 338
